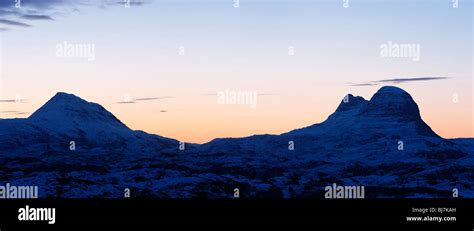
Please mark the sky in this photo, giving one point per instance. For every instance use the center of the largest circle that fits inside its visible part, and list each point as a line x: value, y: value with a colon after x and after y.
x: 172, y: 68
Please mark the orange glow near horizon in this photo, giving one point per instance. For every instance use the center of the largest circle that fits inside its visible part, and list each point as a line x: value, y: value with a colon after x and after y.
x: 202, y: 119
x: 301, y: 57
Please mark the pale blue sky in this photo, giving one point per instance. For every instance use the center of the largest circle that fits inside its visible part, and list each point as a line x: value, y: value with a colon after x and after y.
x: 136, y: 52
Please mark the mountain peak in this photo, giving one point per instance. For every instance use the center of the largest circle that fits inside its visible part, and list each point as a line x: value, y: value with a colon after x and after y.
x: 65, y: 95
x: 64, y: 98
x: 395, y: 104
x: 351, y: 102
x: 391, y: 90
x: 65, y: 111
x: 390, y: 101
x: 389, y: 107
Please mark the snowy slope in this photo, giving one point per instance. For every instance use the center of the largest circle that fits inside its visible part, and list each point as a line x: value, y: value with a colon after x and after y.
x: 359, y: 144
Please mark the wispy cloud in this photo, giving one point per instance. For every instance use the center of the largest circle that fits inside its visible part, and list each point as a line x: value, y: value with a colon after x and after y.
x: 13, y: 23
x: 363, y: 84
x: 22, y: 113
x: 401, y: 80
x: 7, y: 101
x: 137, y: 100
x: 20, y: 14
x: 36, y: 17
x: 259, y: 94
x: 131, y: 2
x: 15, y: 112
x: 396, y: 81
x: 12, y: 100
x: 153, y: 98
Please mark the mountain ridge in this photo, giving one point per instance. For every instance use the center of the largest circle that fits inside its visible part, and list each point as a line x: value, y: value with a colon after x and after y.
x: 390, y: 152
x: 389, y: 101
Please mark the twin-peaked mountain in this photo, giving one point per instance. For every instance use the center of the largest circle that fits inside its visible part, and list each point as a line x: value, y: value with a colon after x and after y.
x: 381, y: 143
x: 389, y: 117
x: 389, y: 107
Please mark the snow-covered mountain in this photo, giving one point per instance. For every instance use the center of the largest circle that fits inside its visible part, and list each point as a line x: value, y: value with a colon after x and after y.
x: 381, y: 143
x: 389, y: 117
x: 68, y: 113
x: 71, y: 117
x: 388, y: 111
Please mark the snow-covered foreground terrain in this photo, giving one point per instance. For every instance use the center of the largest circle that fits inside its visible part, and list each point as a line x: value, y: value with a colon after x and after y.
x: 382, y: 144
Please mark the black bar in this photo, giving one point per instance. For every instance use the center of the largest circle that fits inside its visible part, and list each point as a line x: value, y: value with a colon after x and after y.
x: 247, y: 211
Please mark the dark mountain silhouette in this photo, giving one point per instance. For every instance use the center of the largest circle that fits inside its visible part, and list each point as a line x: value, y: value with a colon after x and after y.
x: 382, y: 144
